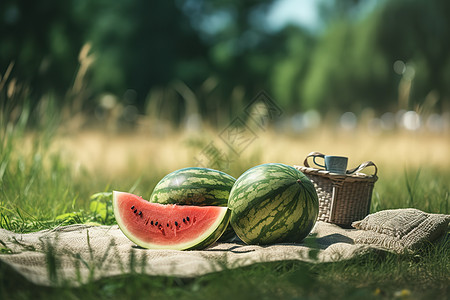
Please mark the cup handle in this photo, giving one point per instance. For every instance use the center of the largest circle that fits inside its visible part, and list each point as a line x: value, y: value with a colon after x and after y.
x: 362, y: 166
x: 314, y: 155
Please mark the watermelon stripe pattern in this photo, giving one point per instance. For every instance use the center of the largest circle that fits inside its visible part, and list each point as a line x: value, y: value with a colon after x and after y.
x: 273, y: 203
x: 194, y: 186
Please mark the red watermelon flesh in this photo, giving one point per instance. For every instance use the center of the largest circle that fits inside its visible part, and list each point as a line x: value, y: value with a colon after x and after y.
x: 170, y: 226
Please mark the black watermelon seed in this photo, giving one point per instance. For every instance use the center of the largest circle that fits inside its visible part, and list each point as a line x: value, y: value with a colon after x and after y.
x: 176, y: 223
x: 151, y: 222
x: 184, y: 220
x: 132, y: 207
x: 135, y: 211
x: 140, y: 213
x: 167, y: 224
x: 156, y: 223
x: 187, y: 218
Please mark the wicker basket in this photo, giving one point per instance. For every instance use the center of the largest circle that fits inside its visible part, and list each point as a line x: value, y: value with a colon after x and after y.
x: 343, y: 198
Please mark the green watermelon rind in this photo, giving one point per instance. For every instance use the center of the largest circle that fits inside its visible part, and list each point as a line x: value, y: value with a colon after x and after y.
x: 203, y: 241
x: 257, y: 206
x: 202, y: 186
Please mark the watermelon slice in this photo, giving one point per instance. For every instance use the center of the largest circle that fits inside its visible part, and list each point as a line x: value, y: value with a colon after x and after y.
x: 168, y: 226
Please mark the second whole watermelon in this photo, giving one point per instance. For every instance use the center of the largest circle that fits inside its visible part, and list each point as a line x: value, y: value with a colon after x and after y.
x: 273, y: 203
x: 196, y: 186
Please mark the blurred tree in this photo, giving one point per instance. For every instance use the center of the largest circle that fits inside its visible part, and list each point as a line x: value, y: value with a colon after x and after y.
x: 291, y: 64
x: 240, y: 49
x: 43, y: 39
x: 141, y: 44
x: 347, y: 71
x: 417, y: 32
x: 222, y: 53
x: 352, y: 66
x: 335, y: 10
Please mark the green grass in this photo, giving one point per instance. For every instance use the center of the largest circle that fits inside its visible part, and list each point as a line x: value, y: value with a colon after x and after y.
x: 419, y: 276
x: 40, y: 189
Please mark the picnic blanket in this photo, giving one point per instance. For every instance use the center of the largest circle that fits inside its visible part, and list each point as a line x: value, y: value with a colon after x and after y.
x: 76, y: 254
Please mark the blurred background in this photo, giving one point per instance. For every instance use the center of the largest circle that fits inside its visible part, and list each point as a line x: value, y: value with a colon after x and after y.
x: 347, y: 77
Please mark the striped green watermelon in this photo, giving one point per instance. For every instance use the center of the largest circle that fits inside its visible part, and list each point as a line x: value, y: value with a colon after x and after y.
x: 273, y: 203
x: 195, y: 186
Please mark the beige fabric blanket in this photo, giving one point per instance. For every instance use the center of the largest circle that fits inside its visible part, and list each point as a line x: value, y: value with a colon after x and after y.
x: 76, y: 254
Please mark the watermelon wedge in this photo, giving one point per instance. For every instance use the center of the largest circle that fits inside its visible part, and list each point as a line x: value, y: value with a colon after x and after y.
x: 168, y: 226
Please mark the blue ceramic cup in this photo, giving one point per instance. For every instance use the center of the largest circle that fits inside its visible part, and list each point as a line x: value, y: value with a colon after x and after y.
x: 333, y: 164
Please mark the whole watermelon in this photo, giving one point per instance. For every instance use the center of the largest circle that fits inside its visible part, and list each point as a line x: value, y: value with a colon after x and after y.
x: 273, y: 203
x: 195, y: 186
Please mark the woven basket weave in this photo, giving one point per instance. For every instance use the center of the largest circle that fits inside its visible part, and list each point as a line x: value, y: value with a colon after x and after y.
x: 343, y: 198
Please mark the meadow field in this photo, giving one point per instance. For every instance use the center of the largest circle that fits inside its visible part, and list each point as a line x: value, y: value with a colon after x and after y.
x: 101, y: 97
x: 47, y: 175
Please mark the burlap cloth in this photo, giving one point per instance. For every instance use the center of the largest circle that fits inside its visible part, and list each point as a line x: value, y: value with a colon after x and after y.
x: 76, y: 254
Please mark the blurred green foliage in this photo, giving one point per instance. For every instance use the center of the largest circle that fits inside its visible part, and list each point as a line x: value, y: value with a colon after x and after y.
x: 224, y: 53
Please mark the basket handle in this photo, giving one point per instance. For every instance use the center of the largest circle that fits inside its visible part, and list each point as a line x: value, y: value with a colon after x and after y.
x: 312, y: 154
x: 351, y: 171
x: 362, y: 166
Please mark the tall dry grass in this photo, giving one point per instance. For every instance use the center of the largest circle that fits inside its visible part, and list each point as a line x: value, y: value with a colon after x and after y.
x: 142, y: 153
